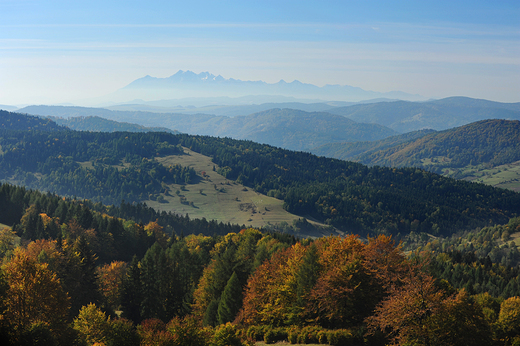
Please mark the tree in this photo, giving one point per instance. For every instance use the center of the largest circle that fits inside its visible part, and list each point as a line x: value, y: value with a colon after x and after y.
x: 110, y: 282
x: 508, y: 324
x: 420, y: 312
x: 230, y: 300
x: 34, y: 294
x: 132, y: 292
x: 92, y: 325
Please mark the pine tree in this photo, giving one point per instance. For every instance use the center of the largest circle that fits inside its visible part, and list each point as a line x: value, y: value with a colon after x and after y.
x: 230, y: 301
x: 132, y: 293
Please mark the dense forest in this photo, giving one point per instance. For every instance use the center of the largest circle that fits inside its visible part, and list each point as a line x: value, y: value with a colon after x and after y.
x: 119, y: 166
x: 76, y: 271
x: 357, y: 198
x: 489, y: 142
x: 111, y: 167
x: 90, y: 278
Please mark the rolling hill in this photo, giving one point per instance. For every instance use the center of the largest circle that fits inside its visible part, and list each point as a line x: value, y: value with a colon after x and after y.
x: 146, y: 167
x: 287, y: 128
x: 404, y: 116
x: 486, y: 151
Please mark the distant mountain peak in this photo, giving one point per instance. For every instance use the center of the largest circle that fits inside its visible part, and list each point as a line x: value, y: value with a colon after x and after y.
x: 186, y: 84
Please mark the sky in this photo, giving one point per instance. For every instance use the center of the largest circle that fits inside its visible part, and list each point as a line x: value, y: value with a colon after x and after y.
x: 66, y: 51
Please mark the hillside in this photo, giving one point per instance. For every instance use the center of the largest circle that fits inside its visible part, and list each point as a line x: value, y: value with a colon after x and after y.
x: 97, y: 124
x: 18, y: 121
x: 404, y: 116
x: 287, y: 128
x: 110, y: 167
x: 489, y: 142
x: 350, y: 151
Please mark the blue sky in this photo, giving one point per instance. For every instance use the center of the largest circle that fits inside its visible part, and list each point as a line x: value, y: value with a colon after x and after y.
x: 63, y: 51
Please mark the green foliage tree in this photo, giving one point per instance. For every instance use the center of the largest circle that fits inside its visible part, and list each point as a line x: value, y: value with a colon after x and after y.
x: 230, y: 300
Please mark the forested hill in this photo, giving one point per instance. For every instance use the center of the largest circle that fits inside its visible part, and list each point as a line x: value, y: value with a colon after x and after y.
x: 490, y: 142
x: 287, y: 128
x: 98, y: 124
x: 350, y: 196
x: 17, y: 121
x: 404, y: 116
x: 351, y: 150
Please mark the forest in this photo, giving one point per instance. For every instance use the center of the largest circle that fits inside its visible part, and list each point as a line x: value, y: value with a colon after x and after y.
x: 120, y: 166
x: 434, y: 263
x: 72, y: 275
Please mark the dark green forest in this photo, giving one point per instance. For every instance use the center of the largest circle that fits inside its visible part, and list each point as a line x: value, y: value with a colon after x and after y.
x: 346, y: 195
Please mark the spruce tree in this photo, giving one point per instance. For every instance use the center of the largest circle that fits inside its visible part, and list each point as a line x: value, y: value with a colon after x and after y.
x: 230, y: 301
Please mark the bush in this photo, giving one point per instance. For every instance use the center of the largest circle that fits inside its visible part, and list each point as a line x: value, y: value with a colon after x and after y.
x: 275, y: 334
x: 322, y: 337
x: 226, y: 335
x: 256, y: 332
x: 292, y: 335
x: 309, y: 335
x: 340, y: 337
x: 187, y: 332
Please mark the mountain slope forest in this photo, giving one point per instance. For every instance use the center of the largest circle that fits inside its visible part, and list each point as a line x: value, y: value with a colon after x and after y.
x: 491, y: 142
x: 287, y: 128
x: 81, y: 265
x: 126, y: 274
x: 404, y: 116
x: 111, y: 167
x: 97, y: 124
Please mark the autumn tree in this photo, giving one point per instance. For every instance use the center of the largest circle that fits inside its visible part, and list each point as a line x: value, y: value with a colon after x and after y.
x: 420, y: 312
x: 508, y: 324
x: 110, y: 282
x: 34, y: 294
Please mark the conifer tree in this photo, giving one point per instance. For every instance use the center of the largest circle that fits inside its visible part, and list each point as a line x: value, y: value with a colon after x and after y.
x: 230, y: 301
x: 132, y: 292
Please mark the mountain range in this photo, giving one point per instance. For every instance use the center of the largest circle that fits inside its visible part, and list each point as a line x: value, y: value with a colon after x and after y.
x: 188, y: 84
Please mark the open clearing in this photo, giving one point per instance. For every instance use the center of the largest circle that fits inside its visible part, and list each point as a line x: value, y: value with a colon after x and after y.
x: 505, y: 176
x: 216, y: 198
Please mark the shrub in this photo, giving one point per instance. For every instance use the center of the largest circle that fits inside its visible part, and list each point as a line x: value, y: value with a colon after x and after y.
x: 256, y: 332
x: 275, y: 334
x: 226, y: 335
x: 322, y: 337
x: 187, y: 332
x: 340, y: 337
x: 292, y: 335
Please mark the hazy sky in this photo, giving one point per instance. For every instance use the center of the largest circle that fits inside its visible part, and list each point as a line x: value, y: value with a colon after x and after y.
x: 62, y: 51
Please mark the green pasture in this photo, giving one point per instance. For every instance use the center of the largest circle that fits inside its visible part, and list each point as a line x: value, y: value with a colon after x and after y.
x: 216, y: 198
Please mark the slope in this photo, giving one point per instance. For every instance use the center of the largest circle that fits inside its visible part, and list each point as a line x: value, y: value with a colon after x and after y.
x: 350, y: 151
x: 287, y: 128
x: 403, y: 116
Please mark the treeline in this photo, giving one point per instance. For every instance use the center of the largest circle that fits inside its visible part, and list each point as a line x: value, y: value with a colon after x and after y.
x: 481, y: 260
x: 357, y: 198
x: 17, y: 121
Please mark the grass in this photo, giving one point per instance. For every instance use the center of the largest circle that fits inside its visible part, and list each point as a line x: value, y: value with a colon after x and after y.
x: 505, y: 176
x: 216, y: 198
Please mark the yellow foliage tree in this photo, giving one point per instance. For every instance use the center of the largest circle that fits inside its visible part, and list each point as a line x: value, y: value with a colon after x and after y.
x: 34, y: 294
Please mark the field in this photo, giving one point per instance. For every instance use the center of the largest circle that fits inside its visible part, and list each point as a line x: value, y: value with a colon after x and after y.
x: 216, y: 198
x: 505, y: 176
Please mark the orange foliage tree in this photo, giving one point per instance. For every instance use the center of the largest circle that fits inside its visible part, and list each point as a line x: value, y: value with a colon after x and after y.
x: 34, y: 295
x: 349, y: 279
x: 111, y: 282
